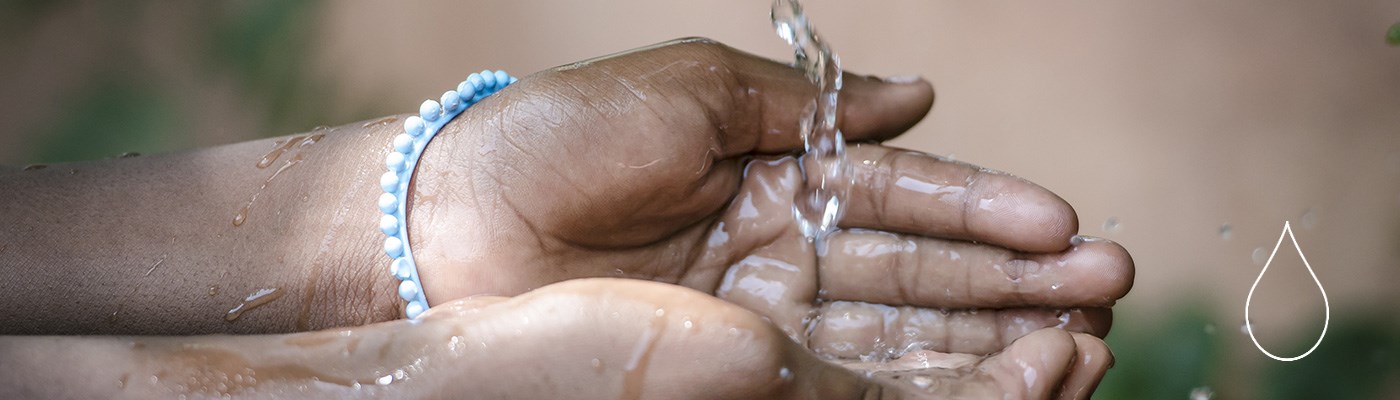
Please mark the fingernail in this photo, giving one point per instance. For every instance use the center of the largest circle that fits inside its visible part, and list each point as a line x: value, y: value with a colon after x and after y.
x: 903, y: 79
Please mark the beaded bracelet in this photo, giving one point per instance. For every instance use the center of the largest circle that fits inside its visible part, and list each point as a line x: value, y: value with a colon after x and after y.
x: 403, y: 159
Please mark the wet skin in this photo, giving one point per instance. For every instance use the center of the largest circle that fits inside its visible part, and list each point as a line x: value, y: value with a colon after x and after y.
x: 581, y: 339
x: 669, y: 163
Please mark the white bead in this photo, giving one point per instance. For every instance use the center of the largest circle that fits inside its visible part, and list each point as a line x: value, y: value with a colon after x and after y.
x: 413, y: 126
x: 450, y: 101
x: 502, y: 79
x: 388, y: 203
x: 394, y: 161
x: 401, y: 269
x: 408, y: 290
x: 430, y: 110
x: 414, y: 309
x: 389, y: 224
x: 466, y: 91
x: 393, y: 247
x: 477, y: 84
x: 403, y: 143
x: 389, y: 181
x: 488, y: 78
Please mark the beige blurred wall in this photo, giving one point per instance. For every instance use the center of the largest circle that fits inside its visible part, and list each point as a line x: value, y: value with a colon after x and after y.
x: 1174, y: 117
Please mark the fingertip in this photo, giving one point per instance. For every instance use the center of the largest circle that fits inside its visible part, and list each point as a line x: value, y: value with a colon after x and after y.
x: 1092, y: 362
x: 1105, y: 268
x: 1037, y: 363
x: 880, y: 109
x: 1019, y: 214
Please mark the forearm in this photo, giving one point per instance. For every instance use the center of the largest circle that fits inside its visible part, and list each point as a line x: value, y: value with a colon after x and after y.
x: 169, y: 244
x: 359, y: 363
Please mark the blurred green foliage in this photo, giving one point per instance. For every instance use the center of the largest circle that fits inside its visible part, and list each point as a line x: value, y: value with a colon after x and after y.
x: 113, y: 114
x: 1167, y: 356
x: 1393, y: 36
x: 120, y: 105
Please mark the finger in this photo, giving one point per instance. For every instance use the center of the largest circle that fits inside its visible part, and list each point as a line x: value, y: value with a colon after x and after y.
x: 696, y: 346
x: 755, y: 103
x: 1032, y: 368
x: 887, y: 268
x: 1090, y: 365
x: 912, y: 192
x: 772, y: 97
x: 853, y: 330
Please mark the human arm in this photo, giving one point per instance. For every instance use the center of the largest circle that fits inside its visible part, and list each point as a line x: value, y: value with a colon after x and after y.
x: 169, y: 244
x: 583, y: 339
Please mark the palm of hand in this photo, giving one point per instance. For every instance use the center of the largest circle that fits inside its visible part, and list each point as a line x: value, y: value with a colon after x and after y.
x: 666, y: 164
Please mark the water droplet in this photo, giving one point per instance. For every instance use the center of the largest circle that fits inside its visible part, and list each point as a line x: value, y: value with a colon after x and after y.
x: 1111, y: 225
x: 1308, y: 219
x: 688, y: 324
x: 1226, y: 231
x: 1210, y: 329
x: 1259, y: 255
x: 1288, y: 232
x: 1057, y: 286
x: 241, y: 217
x: 254, y: 300
x: 922, y: 382
x: 785, y: 374
x: 213, y: 291
x: 1202, y: 393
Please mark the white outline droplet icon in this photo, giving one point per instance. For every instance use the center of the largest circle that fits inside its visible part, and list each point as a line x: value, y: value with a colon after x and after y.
x: 1327, y: 310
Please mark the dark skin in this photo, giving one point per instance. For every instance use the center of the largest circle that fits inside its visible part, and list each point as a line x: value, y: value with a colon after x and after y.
x: 668, y: 163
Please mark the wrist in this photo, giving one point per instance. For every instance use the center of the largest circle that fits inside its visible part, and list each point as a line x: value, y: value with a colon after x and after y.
x: 405, y: 192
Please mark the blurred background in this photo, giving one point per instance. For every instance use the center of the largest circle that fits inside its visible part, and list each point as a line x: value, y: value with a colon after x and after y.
x: 1188, y: 130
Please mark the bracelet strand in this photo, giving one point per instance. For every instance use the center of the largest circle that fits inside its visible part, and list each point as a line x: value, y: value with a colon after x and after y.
x: 402, y: 160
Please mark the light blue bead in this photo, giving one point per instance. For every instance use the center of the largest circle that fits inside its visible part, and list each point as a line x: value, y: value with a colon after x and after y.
x: 402, y: 269
x: 466, y: 91
x: 414, y: 309
x: 450, y: 101
x: 502, y: 79
x: 513, y: 79
x: 408, y: 290
x: 389, y: 181
x: 388, y: 203
x: 389, y: 224
x: 403, y: 143
x: 430, y: 110
x: 394, y: 161
x: 393, y: 247
x: 413, y: 126
x: 488, y: 78
x: 477, y: 84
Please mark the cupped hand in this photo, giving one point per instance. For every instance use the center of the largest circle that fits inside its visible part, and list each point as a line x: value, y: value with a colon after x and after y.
x: 673, y: 163
x: 630, y: 339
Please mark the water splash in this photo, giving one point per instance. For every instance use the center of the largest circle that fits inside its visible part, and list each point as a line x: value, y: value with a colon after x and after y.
x: 825, y: 170
x: 1202, y: 393
x: 1111, y: 225
x: 1287, y: 232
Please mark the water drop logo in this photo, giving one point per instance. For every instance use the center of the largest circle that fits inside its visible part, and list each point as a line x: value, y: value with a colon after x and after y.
x: 1287, y: 232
